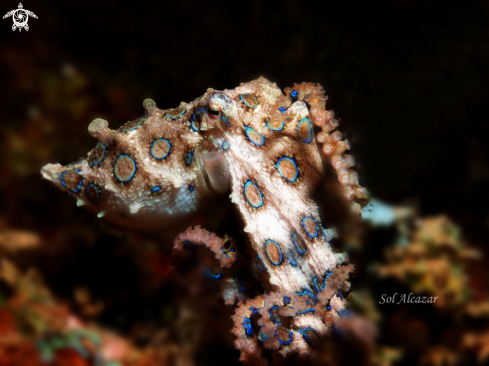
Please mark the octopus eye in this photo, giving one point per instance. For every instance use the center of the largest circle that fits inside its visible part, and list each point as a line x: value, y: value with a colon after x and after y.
x: 212, y: 113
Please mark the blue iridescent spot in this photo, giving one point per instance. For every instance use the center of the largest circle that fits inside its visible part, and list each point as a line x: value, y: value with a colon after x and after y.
x: 304, y: 130
x: 124, y: 168
x: 299, y: 243
x: 188, y: 158
x: 212, y: 275
x: 187, y: 245
x: 273, y: 317
x: 293, y: 94
x: 226, y: 120
x: 288, y: 341
x: 70, y: 172
x: 316, y: 285
x: 194, y: 124
x: 155, y: 189
x: 328, y: 307
x: 253, y: 194
x: 225, y: 145
x: 286, y: 301
x: 176, y: 113
x: 308, y: 293
x: 282, y: 109
x: 97, y: 154
x: 191, y: 188
x: 280, y: 128
x: 304, y: 332
x: 325, y: 280
x: 291, y: 257
x: 93, y: 194
x: 287, y: 168
x: 247, y: 327
x: 343, y: 313
x: 250, y: 100
x: 305, y: 311
x: 160, y: 149
x: 273, y: 252
x: 259, y: 263
x: 254, y: 136
x: 254, y: 310
x: 311, y: 226
x: 241, y: 288
x: 132, y: 125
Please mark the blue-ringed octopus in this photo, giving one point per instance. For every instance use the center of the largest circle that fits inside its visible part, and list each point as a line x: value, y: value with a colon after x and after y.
x: 267, y: 151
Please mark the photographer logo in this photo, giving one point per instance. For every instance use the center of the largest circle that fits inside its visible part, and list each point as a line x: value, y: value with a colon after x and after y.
x: 20, y: 17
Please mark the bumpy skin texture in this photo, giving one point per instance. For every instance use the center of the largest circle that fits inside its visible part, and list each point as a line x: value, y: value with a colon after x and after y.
x: 260, y: 144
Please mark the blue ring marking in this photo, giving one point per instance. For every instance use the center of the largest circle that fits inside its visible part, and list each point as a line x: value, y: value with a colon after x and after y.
x: 254, y: 310
x: 187, y: 245
x: 188, y: 158
x: 282, y: 109
x: 191, y: 188
x: 286, y: 301
x: 308, y: 140
x: 103, y: 155
x: 308, y: 293
x: 153, y: 145
x: 326, y: 279
x: 305, y: 311
x: 274, y: 320
x: 141, y: 120
x: 247, y: 131
x: 316, y: 285
x: 279, y: 250
x: 247, y: 327
x: 303, y: 332
x: 259, y: 192
x: 96, y: 190
x: 226, y: 252
x: 276, y: 129
x: 246, y: 103
x: 155, y: 189
x: 305, y: 228
x: 177, y: 116
x: 225, y: 145
x: 213, y: 275
x: 280, y: 172
x: 328, y: 307
x: 241, y: 286
x: 286, y: 342
x: 226, y: 120
x: 192, y: 124
x: 259, y: 263
x: 297, y: 246
x: 293, y: 94
x: 344, y: 313
x: 133, y: 172
x: 79, y: 184
x: 291, y: 258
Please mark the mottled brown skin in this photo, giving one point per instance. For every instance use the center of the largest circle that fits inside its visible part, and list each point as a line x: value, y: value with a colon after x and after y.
x: 160, y: 170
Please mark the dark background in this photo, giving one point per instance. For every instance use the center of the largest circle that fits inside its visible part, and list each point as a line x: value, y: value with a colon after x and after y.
x: 409, y: 81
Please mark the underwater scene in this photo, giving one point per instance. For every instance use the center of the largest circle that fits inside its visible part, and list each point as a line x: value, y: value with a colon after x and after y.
x: 205, y: 183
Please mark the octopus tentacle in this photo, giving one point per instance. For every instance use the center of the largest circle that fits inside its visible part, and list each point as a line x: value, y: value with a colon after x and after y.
x: 223, y: 248
x: 246, y: 341
x: 333, y: 145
